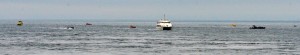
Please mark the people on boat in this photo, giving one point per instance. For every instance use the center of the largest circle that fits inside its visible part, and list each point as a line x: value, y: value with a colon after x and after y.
x: 253, y: 26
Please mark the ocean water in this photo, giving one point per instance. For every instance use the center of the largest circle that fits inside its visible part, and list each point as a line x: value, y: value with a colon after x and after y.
x: 115, y: 38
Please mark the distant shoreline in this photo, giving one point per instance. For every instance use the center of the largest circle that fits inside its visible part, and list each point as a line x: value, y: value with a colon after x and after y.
x: 99, y: 20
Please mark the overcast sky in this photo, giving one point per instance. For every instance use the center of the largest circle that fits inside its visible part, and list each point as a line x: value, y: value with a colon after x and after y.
x: 135, y: 10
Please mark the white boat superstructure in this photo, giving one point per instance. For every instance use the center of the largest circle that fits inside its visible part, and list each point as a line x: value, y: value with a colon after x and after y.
x: 164, y: 24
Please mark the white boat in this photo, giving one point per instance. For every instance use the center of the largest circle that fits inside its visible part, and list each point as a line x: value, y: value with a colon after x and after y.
x: 70, y: 27
x: 164, y: 24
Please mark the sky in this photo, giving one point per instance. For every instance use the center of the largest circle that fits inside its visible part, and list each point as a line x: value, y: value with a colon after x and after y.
x: 151, y: 10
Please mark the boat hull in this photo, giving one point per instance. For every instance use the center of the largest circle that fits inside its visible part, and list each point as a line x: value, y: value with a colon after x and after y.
x: 167, y: 28
x: 20, y: 23
x: 164, y: 28
x: 257, y: 28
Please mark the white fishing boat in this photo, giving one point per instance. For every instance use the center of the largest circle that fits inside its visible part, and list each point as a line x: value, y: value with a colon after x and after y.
x: 164, y: 24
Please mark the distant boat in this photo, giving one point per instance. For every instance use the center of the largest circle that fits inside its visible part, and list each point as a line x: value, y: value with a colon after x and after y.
x: 70, y: 27
x: 254, y: 27
x: 233, y: 25
x: 295, y: 25
x: 164, y: 24
x: 131, y: 26
x: 88, y: 24
x: 20, y: 23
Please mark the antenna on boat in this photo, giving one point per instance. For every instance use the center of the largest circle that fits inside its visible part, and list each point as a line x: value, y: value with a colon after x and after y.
x: 164, y: 16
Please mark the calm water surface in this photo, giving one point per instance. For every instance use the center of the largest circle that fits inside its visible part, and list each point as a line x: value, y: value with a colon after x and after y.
x: 115, y: 38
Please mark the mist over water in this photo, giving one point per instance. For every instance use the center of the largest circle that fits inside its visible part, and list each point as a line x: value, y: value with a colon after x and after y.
x: 116, y: 38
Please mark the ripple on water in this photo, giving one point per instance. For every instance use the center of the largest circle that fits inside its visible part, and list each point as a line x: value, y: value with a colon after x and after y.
x: 120, y: 40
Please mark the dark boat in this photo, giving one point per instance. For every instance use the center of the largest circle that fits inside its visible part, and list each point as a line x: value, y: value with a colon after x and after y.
x: 254, y: 27
x: 131, y: 26
x: 88, y: 24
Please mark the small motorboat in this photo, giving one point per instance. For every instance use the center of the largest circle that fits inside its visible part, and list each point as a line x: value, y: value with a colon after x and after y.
x: 233, y: 25
x: 295, y: 25
x: 70, y: 27
x: 254, y: 27
x: 131, y: 26
x: 88, y: 24
x: 20, y: 23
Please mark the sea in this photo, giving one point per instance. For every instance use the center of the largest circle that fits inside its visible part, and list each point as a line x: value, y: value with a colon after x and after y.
x: 116, y: 38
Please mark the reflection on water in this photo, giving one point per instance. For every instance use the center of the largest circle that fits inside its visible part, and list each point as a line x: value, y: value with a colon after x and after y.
x: 204, y: 39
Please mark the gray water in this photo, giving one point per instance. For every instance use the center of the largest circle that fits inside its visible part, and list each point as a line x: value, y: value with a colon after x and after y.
x: 115, y: 38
